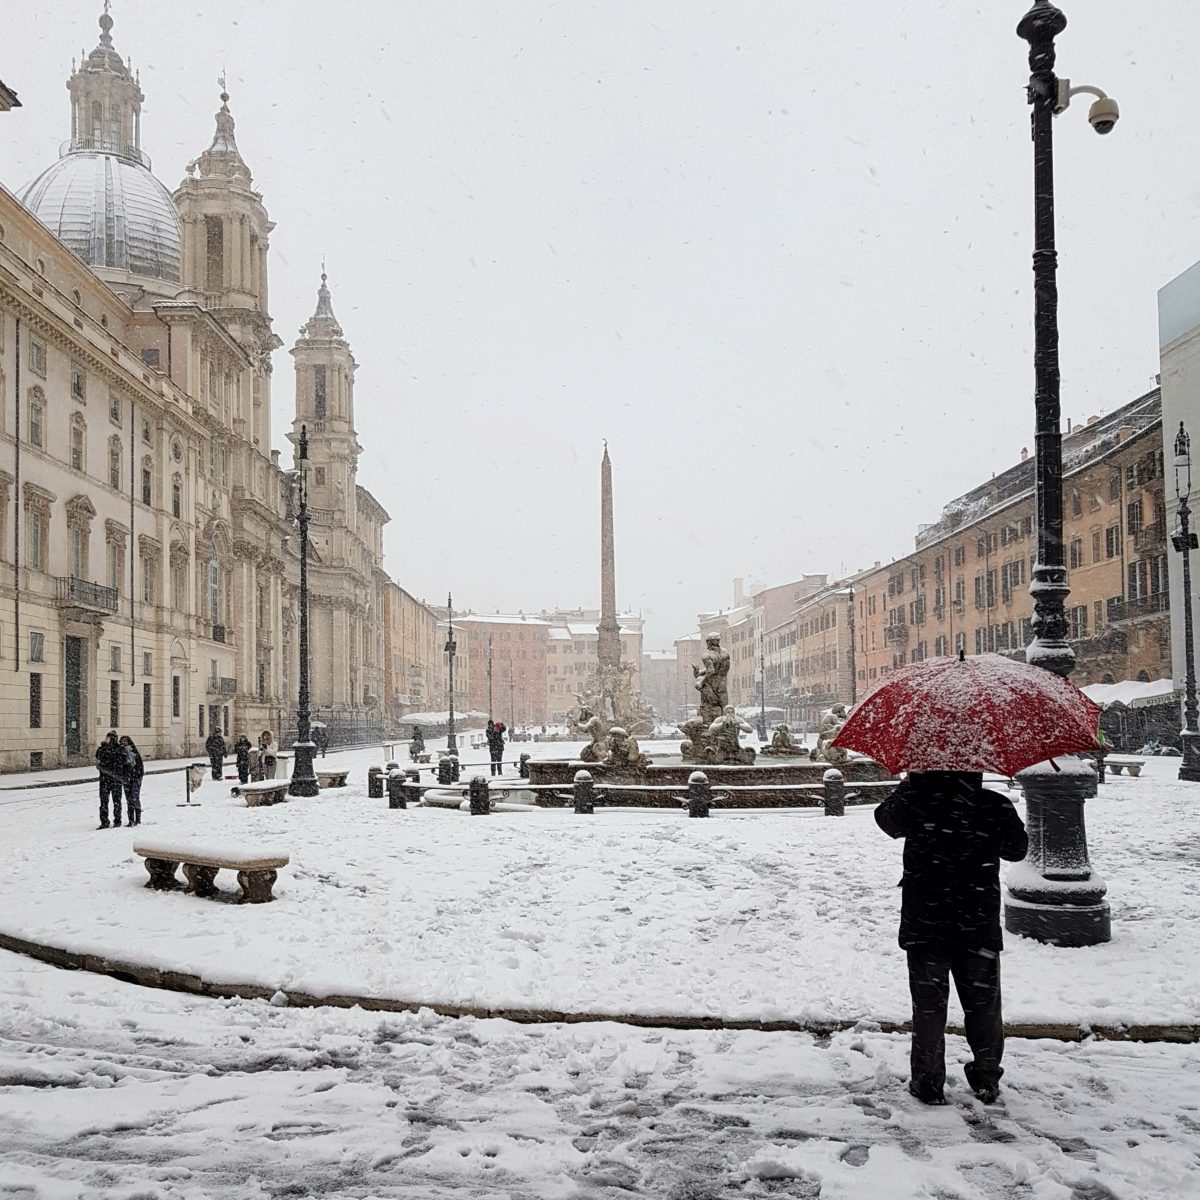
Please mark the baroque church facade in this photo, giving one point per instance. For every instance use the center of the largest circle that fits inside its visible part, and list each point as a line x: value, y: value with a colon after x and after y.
x: 148, y: 546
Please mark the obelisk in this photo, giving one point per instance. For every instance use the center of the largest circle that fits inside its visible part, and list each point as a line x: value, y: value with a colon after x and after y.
x: 608, y: 645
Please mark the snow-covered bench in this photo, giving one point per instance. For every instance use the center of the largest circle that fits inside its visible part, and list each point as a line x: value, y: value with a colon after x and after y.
x: 332, y: 779
x: 256, y: 866
x: 266, y: 791
x: 1117, y: 765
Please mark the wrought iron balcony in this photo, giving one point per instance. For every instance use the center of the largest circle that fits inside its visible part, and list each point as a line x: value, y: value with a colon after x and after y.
x: 1139, y: 608
x: 896, y: 635
x: 222, y: 686
x: 79, y: 593
x: 103, y: 145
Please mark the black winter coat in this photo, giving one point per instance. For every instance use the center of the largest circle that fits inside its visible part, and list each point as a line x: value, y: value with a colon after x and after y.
x: 110, y: 759
x: 495, y: 738
x: 215, y: 745
x: 135, y: 768
x: 952, y: 850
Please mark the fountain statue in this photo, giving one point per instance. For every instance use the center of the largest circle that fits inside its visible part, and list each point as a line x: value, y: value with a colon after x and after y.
x: 783, y: 745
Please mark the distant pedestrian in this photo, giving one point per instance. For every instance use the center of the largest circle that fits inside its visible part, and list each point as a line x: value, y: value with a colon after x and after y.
x: 135, y: 769
x: 214, y: 744
x: 321, y: 737
x: 495, y: 740
x: 955, y: 834
x: 110, y: 761
x: 241, y: 752
x: 266, y: 755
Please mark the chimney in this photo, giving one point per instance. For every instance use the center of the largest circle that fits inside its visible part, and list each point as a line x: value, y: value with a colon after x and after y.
x: 1092, y: 420
x: 1024, y: 453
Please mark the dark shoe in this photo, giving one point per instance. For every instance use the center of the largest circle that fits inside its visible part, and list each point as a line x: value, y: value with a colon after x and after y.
x: 985, y: 1085
x: 117, y: 823
x: 927, y: 1093
x: 987, y: 1093
x: 102, y: 825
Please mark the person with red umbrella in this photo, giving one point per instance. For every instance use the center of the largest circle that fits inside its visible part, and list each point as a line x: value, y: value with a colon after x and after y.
x: 945, y: 721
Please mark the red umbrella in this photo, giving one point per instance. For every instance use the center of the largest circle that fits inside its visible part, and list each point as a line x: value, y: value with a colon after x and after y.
x: 985, y: 713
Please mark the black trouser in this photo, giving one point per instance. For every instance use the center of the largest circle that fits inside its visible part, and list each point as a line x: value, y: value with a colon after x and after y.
x: 977, y: 981
x: 133, y: 801
x: 497, y: 764
x: 215, y: 762
x: 110, y: 787
x: 243, y: 768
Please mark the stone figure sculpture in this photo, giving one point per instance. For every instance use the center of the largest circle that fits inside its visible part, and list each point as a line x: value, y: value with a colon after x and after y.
x: 623, y: 751
x: 784, y: 745
x: 591, y: 725
x: 724, y: 739
x: 711, y: 678
x: 831, y: 726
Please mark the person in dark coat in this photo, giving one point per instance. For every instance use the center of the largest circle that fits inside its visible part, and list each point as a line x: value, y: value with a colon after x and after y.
x: 215, y: 745
x: 321, y: 738
x: 110, y: 762
x: 955, y: 833
x: 241, y: 751
x: 135, y: 769
x: 495, y: 741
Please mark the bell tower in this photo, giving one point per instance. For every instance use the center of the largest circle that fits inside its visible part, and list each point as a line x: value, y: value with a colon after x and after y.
x: 325, y: 403
x: 224, y: 269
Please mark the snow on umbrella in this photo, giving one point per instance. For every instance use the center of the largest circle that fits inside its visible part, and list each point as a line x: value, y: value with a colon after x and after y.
x: 986, y: 713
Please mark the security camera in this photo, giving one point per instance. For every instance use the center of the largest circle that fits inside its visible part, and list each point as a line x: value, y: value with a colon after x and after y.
x: 1103, y: 114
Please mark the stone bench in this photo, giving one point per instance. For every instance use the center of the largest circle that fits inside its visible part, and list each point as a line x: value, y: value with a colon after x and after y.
x: 424, y: 758
x: 332, y: 779
x: 256, y: 868
x: 266, y: 791
x: 1117, y: 765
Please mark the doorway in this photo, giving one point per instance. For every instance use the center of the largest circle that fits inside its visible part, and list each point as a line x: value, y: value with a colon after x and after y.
x: 73, y: 695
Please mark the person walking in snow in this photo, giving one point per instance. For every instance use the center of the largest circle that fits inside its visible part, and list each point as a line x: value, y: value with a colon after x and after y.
x: 955, y: 833
x: 241, y: 752
x: 266, y: 755
x: 110, y: 761
x: 214, y: 744
x: 135, y: 769
x: 495, y: 740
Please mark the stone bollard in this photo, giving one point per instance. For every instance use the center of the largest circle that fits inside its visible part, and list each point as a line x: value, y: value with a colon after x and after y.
x: 445, y: 771
x: 391, y: 765
x: 480, y: 804
x: 412, y: 774
x: 835, y: 793
x: 523, y: 766
x: 455, y: 768
x: 375, y: 783
x: 585, y: 793
x: 395, y: 790
x: 699, y: 794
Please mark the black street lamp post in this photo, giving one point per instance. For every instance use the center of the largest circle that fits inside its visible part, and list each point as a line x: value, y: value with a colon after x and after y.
x: 1061, y: 900
x: 304, y: 781
x: 451, y: 647
x: 491, y: 702
x: 1185, y: 542
x: 762, y: 691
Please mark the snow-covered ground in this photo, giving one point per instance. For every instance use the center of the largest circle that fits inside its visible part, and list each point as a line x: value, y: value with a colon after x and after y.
x: 109, y: 1091
x: 113, y: 1092
x: 775, y: 915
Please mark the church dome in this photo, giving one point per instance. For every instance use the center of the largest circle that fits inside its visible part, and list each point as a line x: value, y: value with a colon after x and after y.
x: 110, y: 211
x: 100, y: 197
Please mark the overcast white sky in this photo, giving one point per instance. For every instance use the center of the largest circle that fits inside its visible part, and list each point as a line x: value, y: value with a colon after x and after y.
x: 777, y: 253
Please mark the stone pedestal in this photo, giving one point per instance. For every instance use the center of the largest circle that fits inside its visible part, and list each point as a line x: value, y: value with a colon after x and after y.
x: 1054, y: 895
x: 1189, y: 769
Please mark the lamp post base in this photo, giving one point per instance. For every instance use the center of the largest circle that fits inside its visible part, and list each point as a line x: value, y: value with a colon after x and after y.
x: 1059, y: 924
x: 1189, y: 769
x: 304, y: 782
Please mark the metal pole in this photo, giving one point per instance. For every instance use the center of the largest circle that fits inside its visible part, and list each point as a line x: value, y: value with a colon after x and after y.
x: 512, y: 704
x: 762, y: 690
x: 451, y: 742
x: 1062, y: 901
x: 491, y: 702
x: 1186, y: 541
x: 304, y: 781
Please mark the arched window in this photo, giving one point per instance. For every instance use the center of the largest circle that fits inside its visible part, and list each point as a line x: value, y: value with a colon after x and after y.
x: 97, y: 121
x: 1143, y: 677
x: 78, y: 454
x: 114, y: 463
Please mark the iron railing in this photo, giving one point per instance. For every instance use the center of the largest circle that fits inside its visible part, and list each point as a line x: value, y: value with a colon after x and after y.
x: 69, y: 589
x: 1141, y: 606
x: 104, y: 145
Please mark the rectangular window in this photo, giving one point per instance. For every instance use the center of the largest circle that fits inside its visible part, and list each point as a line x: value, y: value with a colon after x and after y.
x: 35, y: 700
x: 37, y: 647
x: 960, y: 643
x: 114, y: 467
x: 319, y: 401
x: 1112, y: 541
x: 978, y: 592
x: 991, y: 589
x: 78, y: 382
x: 320, y: 477
x: 1097, y: 553
x: 1078, y: 622
x: 1097, y: 614
x: 37, y: 357
x: 114, y: 703
x: 147, y: 663
x: 114, y: 658
x: 939, y: 646
x: 175, y: 696
x: 147, y: 485
x: 115, y: 562
x: 145, y: 706
x: 980, y: 641
x: 150, y: 358
x: 176, y: 500
x: 1076, y: 553
x: 37, y: 433
x: 1133, y: 515
x: 960, y: 555
x: 200, y: 722
x: 146, y: 426
x: 114, y: 408
x: 35, y: 528
x: 214, y: 256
